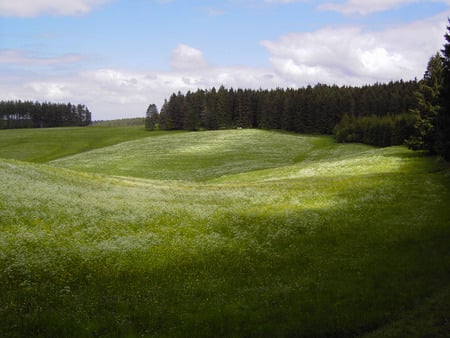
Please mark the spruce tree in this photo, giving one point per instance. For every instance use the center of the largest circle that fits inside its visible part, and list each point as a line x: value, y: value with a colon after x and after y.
x: 428, y: 107
x: 151, y: 117
x: 443, y: 119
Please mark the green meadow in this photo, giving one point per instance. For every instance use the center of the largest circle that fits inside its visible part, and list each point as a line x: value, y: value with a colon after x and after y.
x: 42, y: 145
x: 117, y: 232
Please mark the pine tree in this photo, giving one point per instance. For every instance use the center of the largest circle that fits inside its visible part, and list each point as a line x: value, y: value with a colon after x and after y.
x: 443, y: 119
x: 224, y: 108
x: 151, y: 117
x: 428, y: 101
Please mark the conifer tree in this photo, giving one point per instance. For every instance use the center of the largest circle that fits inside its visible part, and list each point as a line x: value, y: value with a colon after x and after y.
x: 428, y: 101
x: 151, y: 117
x: 443, y: 119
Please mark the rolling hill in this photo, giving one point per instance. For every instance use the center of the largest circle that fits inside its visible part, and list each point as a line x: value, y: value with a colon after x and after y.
x: 226, y: 233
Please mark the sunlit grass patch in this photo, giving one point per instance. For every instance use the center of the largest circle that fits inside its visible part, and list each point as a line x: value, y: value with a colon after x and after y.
x: 194, y: 156
x: 335, y: 161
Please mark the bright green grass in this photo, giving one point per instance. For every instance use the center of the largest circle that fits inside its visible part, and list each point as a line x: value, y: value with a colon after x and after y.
x: 337, y: 240
x: 207, y: 155
x: 42, y: 145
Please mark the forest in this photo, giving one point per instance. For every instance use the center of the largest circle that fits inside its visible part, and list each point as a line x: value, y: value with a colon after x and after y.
x: 28, y: 114
x: 313, y: 110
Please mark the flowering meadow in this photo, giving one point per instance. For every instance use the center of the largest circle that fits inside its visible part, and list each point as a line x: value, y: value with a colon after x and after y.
x: 225, y: 233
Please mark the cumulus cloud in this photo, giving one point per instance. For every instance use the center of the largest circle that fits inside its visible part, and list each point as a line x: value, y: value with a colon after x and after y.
x: 349, y: 55
x: 185, y: 57
x: 52, y: 91
x: 27, y: 8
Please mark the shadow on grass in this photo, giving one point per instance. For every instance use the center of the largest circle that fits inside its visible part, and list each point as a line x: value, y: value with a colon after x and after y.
x: 377, y: 247
x: 344, y: 272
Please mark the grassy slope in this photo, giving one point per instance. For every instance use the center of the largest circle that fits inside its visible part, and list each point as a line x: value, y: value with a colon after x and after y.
x: 338, y: 240
x: 203, y: 156
x: 42, y: 145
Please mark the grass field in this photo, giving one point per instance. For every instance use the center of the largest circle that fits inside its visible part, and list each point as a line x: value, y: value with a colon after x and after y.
x: 226, y: 233
x: 42, y: 145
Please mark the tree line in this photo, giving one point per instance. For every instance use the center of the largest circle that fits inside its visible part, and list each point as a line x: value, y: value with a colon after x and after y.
x: 29, y: 114
x: 315, y: 109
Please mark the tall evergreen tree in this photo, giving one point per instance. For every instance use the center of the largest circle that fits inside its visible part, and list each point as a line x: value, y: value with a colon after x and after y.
x: 428, y: 100
x: 210, y: 112
x: 443, y: 119
x: 151, y: 117
x: 224, y: 108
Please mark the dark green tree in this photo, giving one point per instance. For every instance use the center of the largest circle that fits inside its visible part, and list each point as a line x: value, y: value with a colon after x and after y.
x: 151, y: 117
x: 443, y: 119
x: 224, y: 108
x: 209, y: 118
x: 429, y: 105
x: 304, y: 110
x: 28, y: 114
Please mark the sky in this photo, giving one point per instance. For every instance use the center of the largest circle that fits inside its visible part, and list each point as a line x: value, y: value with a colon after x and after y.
x: 118, y: 56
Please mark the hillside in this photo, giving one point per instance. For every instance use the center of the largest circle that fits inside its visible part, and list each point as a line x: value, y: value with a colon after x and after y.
x: 42, y: 145
x: 230, y: 233
x: 205, y: 155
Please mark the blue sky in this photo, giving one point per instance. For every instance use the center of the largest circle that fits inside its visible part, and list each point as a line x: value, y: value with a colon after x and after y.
x: 118, y: 56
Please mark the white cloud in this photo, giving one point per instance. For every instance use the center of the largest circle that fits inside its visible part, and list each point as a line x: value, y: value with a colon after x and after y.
x: 349, y: 55
x: 27, y: 8
x: 52, y: 91
x: 186, y: 57
x: 364, y: 7
x: 118, y: 93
